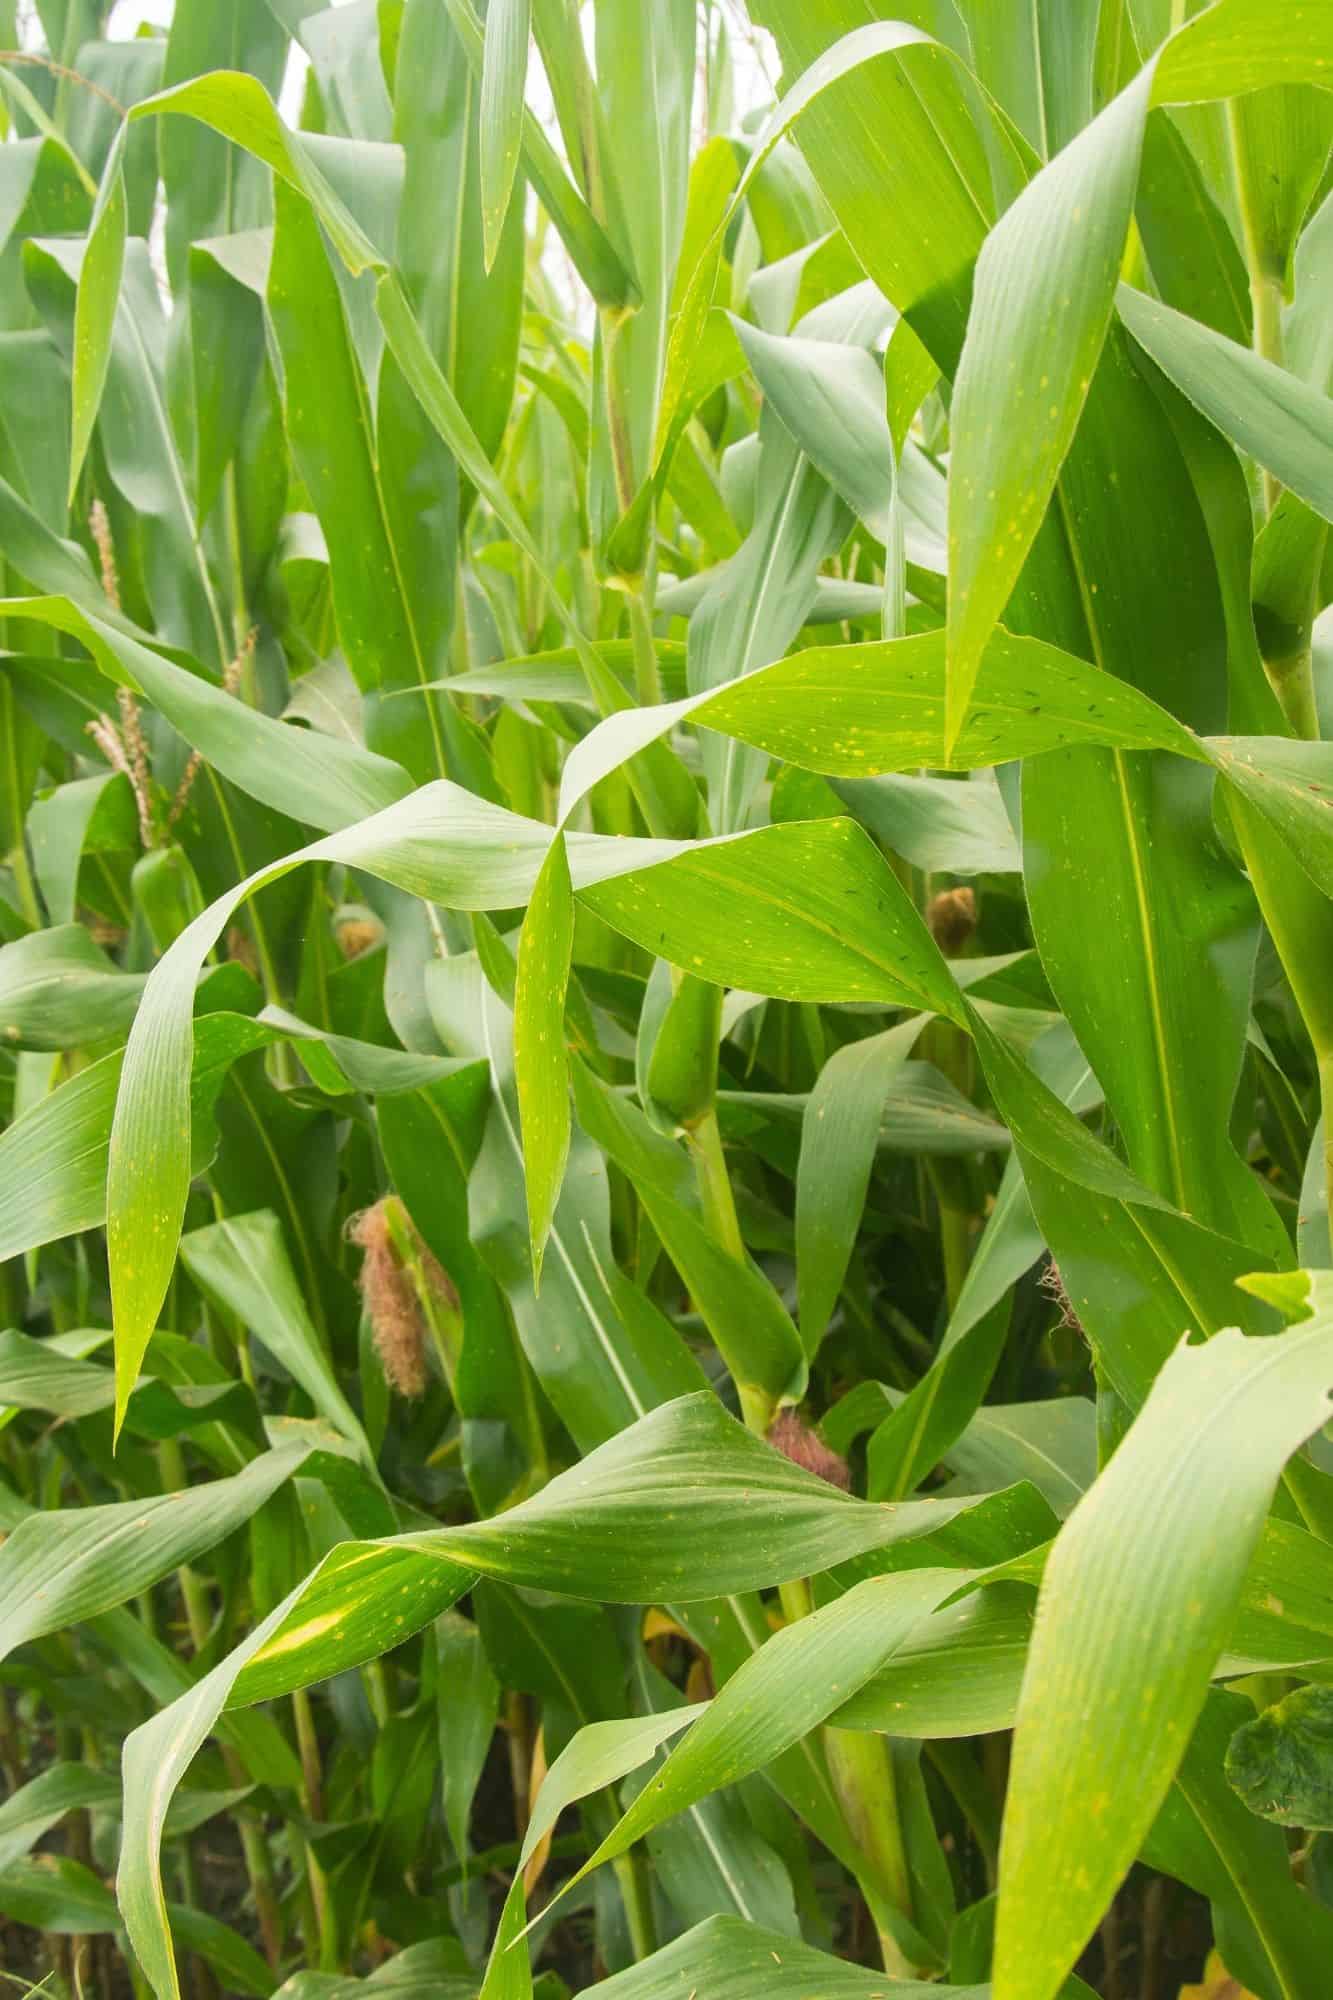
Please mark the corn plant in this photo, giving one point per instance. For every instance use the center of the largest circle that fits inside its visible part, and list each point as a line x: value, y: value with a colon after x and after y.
x: 667, y: 1041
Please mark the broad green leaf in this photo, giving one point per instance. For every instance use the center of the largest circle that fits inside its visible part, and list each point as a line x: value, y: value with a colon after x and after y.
x: 1052, y: 1445
x: 243, y: 1265
x: 790, y: 1686
x: 831, y: 398
x: 753, y: 610
x: 34, y: 1808
x: 1132, y: 836
x: 142, y: 452
x: 58, y: 990
x: 52, y: 1375
x: 86, y: 815
x: 95, y: 313
x: 208, y: 191
x: 1192, y: 253
x: 1289, y: 783
x: 68, y: 1565
x: 847, y: 932
x: 638, y: 153
x: 1278, y: 419
x: 1043, y: 299
x: 601, y: 1754
x: 854, y: 709
x: 504, y: 73
x: 43, y: 186
x: 752, y: 1964
x: 429, y: 1971
x: 1280, y: 138
x: 957, y: 1674
x: 908, y: 136
x: 53, y: 1160
x: 58, y: 1896
x: 435, y: 120
x: 687, y: 1496
x: 839, y: 1135
x: 324, y: 781
x: 237, y: 106
x: 1197, y: 1474
x: 1040, y: 68
x: 541, y: 1061
x: 939, y: 825
x: 917, y: 62
x: 469, y: 1699
x: 393, y: 635
x: 1045, y: 283
x: 509, y: 1969
x: 156, y: 1758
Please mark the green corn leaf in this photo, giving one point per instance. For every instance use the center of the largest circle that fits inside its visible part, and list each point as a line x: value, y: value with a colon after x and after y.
x: 591, y: 251
x: 685, y: 1496
x: 1044, y: 295
x: 1107, y: 1588
x: 839, y: 1135
x: 854, y: 709
x: 39, y: 1805
x: 753, y: 1963
x: 1049, y: 264
x: 324, y: 781
x: 750, y: 1325
x: 1278, y: 419
x: 831, y: 399
x: 601, y: 1754
x: 504, y: 73
x: 789, y: 1687
x: 448, y: 844
x: 243, y: 1265
x: 77, y: 1562
x: 95, y: 314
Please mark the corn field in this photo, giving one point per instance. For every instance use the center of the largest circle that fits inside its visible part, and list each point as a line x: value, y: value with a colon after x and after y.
x: 666, y: 999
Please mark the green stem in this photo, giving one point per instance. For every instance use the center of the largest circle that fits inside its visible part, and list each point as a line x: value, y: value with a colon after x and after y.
x: 861, y: 1770
x: 24, y: 882
x: 312, y: 1796
x: 1265, y: 284
x: 637, y: 1896
x: 723, y: 1225
x: 719, y: 1203
x: 258, y: 1866
x: 1292, y: 681
x: 267, y: 969
x: 610, y: 319
x: 955, y: 1234
x: 862, y: 1773
x: 859, y: 1763
x: 240, y: 616
x: 198, y: 1608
